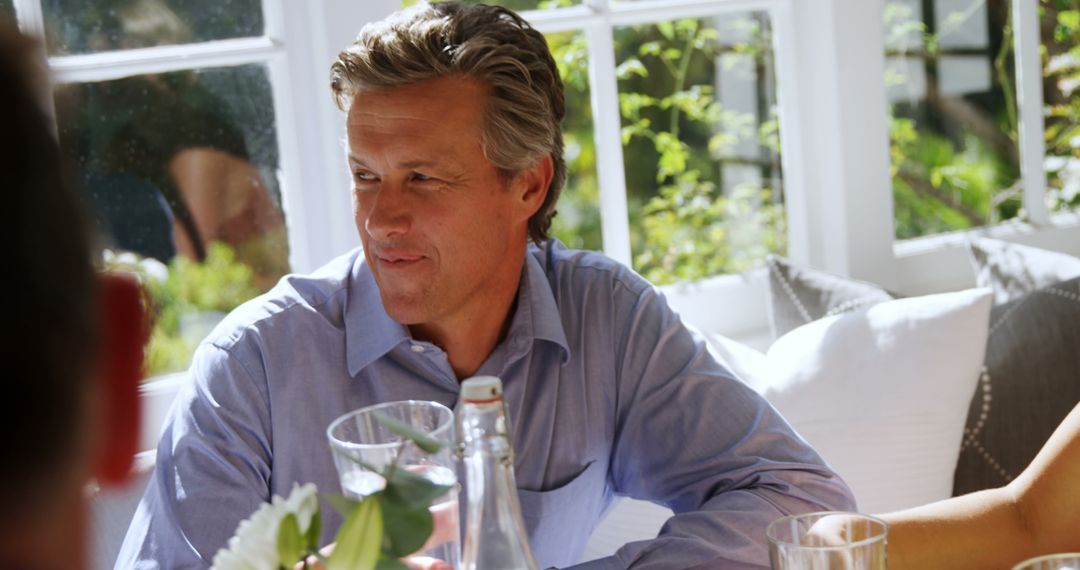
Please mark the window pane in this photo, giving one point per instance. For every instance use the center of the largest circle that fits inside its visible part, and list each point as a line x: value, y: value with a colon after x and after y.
x: 7, y: 10
x: 181, y: 171
x: 515, y: 5
x: 1061, y: 69
x: 701, y: 145
x: 953, y: 121
x: 578, y: 221
x: 81, y: 26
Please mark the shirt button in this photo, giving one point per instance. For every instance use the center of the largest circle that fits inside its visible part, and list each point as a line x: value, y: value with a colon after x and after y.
x: 417, y: 348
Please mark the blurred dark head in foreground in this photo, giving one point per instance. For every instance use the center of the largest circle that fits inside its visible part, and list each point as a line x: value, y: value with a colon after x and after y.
x: 57, y: 400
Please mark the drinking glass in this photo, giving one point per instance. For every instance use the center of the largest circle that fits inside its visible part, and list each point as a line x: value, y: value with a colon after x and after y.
x: 358, y: 437
x: 827, y: 541
x: 1051, y: 562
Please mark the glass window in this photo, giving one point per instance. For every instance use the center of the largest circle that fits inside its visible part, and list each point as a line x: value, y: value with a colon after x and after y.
x: 953, y: 118
x: 181, y: 170
x: 701, y: 145
x: 7, y: 10
x: 578, y: 221
x: 82, y: 26
x: 1061, y: 69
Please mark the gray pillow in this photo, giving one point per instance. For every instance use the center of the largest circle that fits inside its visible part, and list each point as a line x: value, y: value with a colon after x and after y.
x: 798, y: 295
x: 1029, y: 383
x: 1014, y: 270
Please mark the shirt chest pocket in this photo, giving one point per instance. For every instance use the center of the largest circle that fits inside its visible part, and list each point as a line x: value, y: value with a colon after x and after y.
x: 560, y: 520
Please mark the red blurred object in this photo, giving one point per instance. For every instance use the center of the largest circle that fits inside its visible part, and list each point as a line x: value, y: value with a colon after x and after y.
x: 126, y: 330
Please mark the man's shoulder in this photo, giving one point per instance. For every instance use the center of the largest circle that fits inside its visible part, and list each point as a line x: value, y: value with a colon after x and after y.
x: 586, y: 271
x: 298, y: 302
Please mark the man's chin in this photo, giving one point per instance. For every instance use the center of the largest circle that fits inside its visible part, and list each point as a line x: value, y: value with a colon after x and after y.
x: 405, y: 310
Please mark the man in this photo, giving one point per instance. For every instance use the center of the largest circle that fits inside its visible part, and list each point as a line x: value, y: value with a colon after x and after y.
x: 69, y: 343
x: 456, y: 154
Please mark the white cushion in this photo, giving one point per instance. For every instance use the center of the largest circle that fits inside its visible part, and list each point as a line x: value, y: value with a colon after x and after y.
x: 882, y: 393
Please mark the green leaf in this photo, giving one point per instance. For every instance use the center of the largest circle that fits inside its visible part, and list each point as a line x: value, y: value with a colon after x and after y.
x: 340, y: 503
x: 405, y: 529
x: 359, y: 541
x: 672, y: 54
x: 289, y: 541
x: 649, y: 48
x: 667, y: 29
x: 1069, y: 19
x: 311, y: 537
x: 632, y: 66
x: 411, y: 490
x: 687, y: 26
x: 404, y: 430
x: 673, y: 155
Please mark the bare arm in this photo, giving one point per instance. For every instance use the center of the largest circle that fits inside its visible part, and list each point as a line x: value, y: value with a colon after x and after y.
x: 230, y: 203
x: 1038, y: 513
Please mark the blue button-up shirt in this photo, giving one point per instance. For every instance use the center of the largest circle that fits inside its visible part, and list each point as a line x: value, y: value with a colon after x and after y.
x: 608, y: 392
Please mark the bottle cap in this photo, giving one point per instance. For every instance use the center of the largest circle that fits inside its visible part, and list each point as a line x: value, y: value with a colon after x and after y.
x: 479, y: 389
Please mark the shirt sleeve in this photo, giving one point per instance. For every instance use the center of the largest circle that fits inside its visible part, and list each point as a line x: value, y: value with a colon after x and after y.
x: 212, y: 471
x: 692, y: 437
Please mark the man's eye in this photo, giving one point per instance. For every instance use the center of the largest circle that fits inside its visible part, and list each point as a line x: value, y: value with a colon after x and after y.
x: 417, y: 177
x: 362, y: 176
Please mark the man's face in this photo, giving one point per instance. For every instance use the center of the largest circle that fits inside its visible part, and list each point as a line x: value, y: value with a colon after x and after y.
x: 441, y: 231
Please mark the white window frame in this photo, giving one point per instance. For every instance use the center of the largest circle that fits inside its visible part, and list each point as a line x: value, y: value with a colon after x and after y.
x: 834, y: 132
x: 302, y: 39
x: 832, y: 147
x: 307, y: 230
x: 597, y: 20
x: 939, y: 263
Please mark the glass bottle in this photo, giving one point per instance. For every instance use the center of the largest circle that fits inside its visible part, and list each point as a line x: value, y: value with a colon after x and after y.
x: 495, y: 536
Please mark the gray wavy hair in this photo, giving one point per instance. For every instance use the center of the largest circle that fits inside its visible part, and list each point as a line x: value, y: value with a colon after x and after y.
x: 523, y: 120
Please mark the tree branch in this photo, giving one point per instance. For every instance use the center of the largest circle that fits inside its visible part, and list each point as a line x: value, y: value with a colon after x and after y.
x: 924, y: 188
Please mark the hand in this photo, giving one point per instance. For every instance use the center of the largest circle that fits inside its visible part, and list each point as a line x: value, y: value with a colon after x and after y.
x: 836, y: 534
x: 426, y: 563
x: 445, y: 525
x: 833, y: 530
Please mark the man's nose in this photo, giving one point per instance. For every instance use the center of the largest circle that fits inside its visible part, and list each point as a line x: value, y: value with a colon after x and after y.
x: 388, y: 213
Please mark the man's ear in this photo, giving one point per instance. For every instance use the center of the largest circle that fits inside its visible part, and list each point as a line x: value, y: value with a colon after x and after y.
x: 532, y: 184
x: 125, y: 332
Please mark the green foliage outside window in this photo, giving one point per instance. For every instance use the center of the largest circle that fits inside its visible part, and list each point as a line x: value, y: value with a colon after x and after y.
x: 955, y: 160
x: 676, y: 135
x: 686, y: 223
x: 1061, y: 58
x: 186, y: 300
x: 578, y: 221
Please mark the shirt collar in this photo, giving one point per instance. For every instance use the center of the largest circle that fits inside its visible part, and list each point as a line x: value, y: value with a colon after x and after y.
x: 538, y: 314
x: 370, y: 333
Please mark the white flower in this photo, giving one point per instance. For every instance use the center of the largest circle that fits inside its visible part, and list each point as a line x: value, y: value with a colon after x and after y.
x: 126, y: 258
x: 154, y: 269
x: 254, y: 547
x: 143, y: 267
